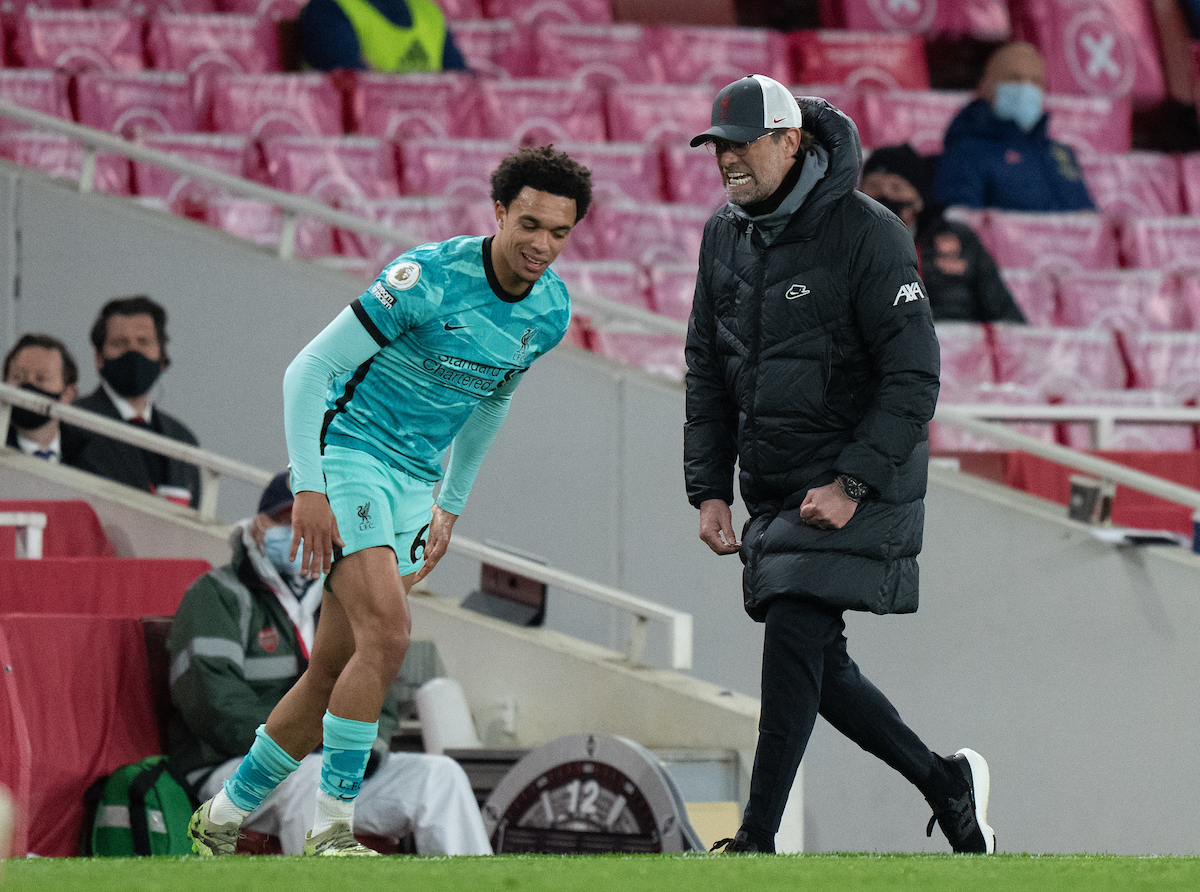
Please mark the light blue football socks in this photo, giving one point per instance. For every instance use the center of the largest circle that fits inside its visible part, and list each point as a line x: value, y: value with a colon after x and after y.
x: 347, y: 747
x: 265, y: 767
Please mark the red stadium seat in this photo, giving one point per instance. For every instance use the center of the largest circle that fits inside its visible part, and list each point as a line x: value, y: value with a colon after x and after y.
x: 461, y: 10
x: 648, y: 233
x: 1091, y: 124
x: 61, y: 156
x: 1130, y: 435
x: 984, y: 19
x: 76, y: 40
x: 338, y: 170
x: 276, y: 10
x: 714, y: 57
x: 11, y: 9
x: 1034, y: 292
x: 184, y: 194
x: 262, y: 106
x: 1058, y: 361
x: 497, y: 48
x: 1167, y: 243
x: 156, y: 7
x: 859, y: 59
x: 949, y: 438
x: 1189, y: 299
x: 455, y: 169
x: 416, y: 219
x: 614, y: 280
x: 416, y: 105
x: 44, y: 91
x: 917, y: 117
x: 693, y: 177
x: 1137, y: 184
x: 1167, y: 361
x: 672, y: 287
x: 664, y: 114
x: 658, y: 354
x: 598, y: 55
x: 72, y: 529
x: 1124, y: 300
x: 1054, y: 242
x: 1106, y: 48
x: 537, y: 112
x: 621, y: 171
x: 840, y: 96
x: 1189, y: 174
x: 134, y: 104
x: 966, y: 358
x: 541, y: 12
x: 262, y: 223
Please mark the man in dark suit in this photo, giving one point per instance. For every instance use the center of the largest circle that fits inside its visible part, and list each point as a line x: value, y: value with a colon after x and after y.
x: 130, y: 337
x: 43, y: 365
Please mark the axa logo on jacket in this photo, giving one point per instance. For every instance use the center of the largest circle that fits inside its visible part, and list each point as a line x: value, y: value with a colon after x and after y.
x: 910, y: 292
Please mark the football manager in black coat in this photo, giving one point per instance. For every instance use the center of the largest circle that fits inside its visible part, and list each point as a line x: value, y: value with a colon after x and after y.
x: 813, y: 365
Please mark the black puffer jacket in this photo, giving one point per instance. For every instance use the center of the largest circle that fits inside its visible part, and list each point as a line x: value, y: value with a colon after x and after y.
x: 810, y: 356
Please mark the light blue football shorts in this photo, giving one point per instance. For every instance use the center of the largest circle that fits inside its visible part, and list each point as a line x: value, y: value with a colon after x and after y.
x: 376, y: 504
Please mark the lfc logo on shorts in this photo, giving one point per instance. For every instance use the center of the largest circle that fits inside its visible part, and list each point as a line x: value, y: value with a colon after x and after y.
x: 268, y: 639
x: 364, y: 514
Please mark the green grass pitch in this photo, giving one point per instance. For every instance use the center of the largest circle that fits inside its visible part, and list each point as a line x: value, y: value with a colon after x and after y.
x: 660, y: 873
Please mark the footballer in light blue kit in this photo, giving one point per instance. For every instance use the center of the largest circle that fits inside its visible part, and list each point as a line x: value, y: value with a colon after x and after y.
x: 424, y: 361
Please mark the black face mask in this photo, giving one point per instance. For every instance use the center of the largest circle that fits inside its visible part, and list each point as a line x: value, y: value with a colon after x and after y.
x: 27, y: 419
x: 131, y: 374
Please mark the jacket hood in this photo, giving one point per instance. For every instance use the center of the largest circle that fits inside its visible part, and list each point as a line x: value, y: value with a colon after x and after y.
x: 977, y: 120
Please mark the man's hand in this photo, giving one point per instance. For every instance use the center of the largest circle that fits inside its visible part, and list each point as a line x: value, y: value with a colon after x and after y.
x: 313, y: 524
x: 827, y: 507
x: 716, y: 527
x: 437, y: 542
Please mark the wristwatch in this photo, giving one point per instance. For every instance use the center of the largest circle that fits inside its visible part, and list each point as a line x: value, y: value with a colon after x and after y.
x: 854, y: 488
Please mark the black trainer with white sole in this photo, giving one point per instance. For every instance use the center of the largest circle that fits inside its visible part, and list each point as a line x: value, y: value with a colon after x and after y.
x: 963, y: 816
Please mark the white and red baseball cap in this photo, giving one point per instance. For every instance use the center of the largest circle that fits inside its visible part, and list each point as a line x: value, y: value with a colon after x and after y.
x: 750, y: 108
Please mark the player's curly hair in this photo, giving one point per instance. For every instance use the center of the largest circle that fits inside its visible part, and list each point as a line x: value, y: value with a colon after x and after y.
x: 544, y: 169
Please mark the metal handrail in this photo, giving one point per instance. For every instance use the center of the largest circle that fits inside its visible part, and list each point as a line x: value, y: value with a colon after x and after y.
x: 1101, y: 419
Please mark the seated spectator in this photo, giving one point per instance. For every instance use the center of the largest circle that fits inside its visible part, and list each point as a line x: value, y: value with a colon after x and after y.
x: 239, y: 641
x: 997, y: 153
x: 376, y: 35
x: 130, y: 337
x: 960, y: 275
x: 42, y: 364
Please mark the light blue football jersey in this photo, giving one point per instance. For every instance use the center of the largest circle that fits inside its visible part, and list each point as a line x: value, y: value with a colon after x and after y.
x: 450, y: 335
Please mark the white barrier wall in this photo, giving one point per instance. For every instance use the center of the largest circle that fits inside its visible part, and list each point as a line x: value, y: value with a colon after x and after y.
x: 1069, y: 664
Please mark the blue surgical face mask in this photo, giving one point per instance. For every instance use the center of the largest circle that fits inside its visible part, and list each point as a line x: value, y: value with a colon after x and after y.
x: 1020, y: 103
x: 277, y: 543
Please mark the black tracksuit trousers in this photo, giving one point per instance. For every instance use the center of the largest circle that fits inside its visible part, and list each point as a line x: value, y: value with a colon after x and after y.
x: 806, y: 671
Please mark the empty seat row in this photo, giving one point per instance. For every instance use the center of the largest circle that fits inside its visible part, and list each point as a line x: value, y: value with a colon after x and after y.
x: 1128, y: 300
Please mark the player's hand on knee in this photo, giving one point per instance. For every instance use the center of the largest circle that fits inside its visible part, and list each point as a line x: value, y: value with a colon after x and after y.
x: 314, y: 533
x: 440, y: 527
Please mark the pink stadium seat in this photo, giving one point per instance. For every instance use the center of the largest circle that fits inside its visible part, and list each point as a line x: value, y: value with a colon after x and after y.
x: 461, y: 10
x: 76, y: 40
x: 1189, y: 299
x: 416, y: 105
x: 276, y: 10
x: 692, y: 177
x: 672, y: 287
x: 1167, y: 243
x: 664, y: 114
x: 44, y: 91
x: 1091, y: 124
x: 479, y: 218
x: 966, y: 358
x: 1189, y: 174
x: 948, y: 437
x: 1058, y: 361
x: 1034, y: 293
x: 156, y: 7
x: 184, y: 194
x: 1130, y: 435
x: 714, y: 57
x: 455, y: 169
x: 60, y: 156
x: 598, y: 55
x: 648, y: 233
x: 262, y: 106
x: 498, y: 48
x: 1167, y: 361
x: 541, y: 12
x: 262, y: 223
x: 621, y: 171
x: 859, y: 59
x: 917, y: 117
x: 658, y: 354
x: 204, y: 45
x: 416, y: 219
x: 338, y: 170
x: 537, y: 112
x: 840, y: 96
x: 985, y: 19
x: 1137, y: 184
x: 1106, y: 48
x: 1054, y: 242
x: 11, y: 9
x: 133, y: 104
x: 1125, y: 300
x: 614, y: 280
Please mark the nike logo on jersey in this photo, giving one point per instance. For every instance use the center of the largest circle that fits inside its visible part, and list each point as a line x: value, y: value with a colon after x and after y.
x: 450, y: 327
x: 910, y: 292
x: 797, y: 291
